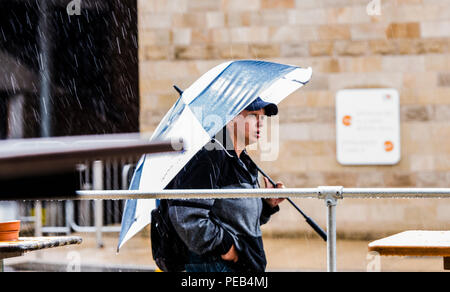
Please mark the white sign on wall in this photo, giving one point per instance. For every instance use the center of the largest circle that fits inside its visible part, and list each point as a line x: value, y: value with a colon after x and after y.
x: 368, y: 127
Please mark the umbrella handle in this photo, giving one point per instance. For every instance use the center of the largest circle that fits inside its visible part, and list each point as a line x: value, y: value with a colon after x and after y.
x: 310, y: 221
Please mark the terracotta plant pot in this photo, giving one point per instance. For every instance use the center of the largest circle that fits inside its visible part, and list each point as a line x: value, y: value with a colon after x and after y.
x: 9, y: 235
x: 9, y: 231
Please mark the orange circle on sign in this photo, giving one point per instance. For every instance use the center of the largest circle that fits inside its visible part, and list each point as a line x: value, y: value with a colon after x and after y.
x: 388, y: 146
x: 347, y: 120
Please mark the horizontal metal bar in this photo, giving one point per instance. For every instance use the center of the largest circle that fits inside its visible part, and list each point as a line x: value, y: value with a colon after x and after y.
x: 245, y: 193
x: 55, y: 229
x: 267, y: 193
x: 197, y: 194
x: 396, y: 193
x: 93, y: 229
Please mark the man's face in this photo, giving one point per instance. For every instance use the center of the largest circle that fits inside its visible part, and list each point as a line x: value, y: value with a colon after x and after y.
x: 247, y: 126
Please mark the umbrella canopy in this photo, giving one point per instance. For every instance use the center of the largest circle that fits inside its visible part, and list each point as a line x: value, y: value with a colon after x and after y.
x: 201, y: 111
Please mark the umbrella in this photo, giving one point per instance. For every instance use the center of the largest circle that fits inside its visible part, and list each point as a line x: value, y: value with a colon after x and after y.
x: 201, y: 111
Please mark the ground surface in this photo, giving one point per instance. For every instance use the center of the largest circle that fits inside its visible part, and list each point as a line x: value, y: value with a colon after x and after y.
x: 286, y: 254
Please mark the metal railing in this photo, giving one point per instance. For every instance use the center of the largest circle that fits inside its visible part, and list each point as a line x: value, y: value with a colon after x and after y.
x: 330, y: 195
x: 98, y: 175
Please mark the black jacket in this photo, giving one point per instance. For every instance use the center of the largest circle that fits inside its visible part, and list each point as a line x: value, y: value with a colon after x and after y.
x: 211, y: 226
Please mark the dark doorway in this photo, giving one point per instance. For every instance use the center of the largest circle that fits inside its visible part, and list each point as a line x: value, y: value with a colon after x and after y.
x: 90, y: 62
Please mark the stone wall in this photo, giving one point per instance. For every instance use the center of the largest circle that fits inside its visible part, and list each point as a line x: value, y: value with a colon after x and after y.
x: 407, y: 47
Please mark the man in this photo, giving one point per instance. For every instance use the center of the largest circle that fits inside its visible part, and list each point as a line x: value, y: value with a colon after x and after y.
x: 224, y: 234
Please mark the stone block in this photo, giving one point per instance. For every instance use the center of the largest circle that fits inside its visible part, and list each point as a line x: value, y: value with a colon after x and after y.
x: 412, y: 64
x: 189, y: 20
x: 221, y: 35
x: 161, y: 6
x: 334, y: 32
x: 181, y: 36
x: 203, y: 6
x: 432, y: 46
x: 195, y: 52
x: 323, y: 131
x: 264, y: 51
x: 435, y: 29
x: 294, y: 50
x: 442, y: 113
x: 419, y: 80
x: 153, y: 52
x: 368, y: 80
x: 419, y: 132
x: 166, y: 101
x: 398, y: 179
x: 431, y: 179
x: 368, y: 31
x: 321, y: 48
x: 407, y: 46
x: 292, y: 34
x: 249, y: 35
x: 328, y: 65
x: 272, y: 18
x: 318, y: 82
x: 239, y: 5
x: 351, y: 48
x: 156, y: 86
x: 277, y: 4
x: 437, y: 62
x: 403, y: 30
x: 444, y: 79
x: 305, y: 4
x: 414, y: 113
x: 154, y: 20
x: 215, y: 19
x: 320, y: 98
x: 234, y: 51
x: 307, y: 16
x: 155, y: 37
x: 383, y: 47
x: 348, y: 14
x: 437, y: 95
x: 442, y: 163
x: 167, y: 70
x: 294, y: 131
x: 360, y: 64
x: 443, y: 210
x: 367, y: 179
x: 149, y: 102
x: 338, y: 177
x: 422, y: 162
x: 201, y: 36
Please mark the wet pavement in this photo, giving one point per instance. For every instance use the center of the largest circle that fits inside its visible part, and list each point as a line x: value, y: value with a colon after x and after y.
x: 283, y: 254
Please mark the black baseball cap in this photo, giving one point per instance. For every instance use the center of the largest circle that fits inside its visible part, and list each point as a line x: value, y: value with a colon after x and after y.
x: 271, y: 109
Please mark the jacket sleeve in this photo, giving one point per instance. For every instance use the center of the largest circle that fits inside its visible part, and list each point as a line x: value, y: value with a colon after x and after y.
x: 267, y: 212
x: 190, y: 218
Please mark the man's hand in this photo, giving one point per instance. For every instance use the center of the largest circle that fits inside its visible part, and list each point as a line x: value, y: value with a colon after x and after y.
x: 273, y: 202
x: 231, y: 255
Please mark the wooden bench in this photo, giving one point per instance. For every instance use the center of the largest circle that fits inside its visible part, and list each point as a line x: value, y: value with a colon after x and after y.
x: 9, y: 249
x: 415, y: 243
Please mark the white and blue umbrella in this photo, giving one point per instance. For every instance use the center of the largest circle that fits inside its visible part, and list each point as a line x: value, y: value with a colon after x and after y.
x: 198, y: 115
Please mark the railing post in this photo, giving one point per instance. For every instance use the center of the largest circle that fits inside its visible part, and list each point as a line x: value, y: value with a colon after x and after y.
x: 331, y: 194
x: 97, y: 181
x: 38, y: 219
